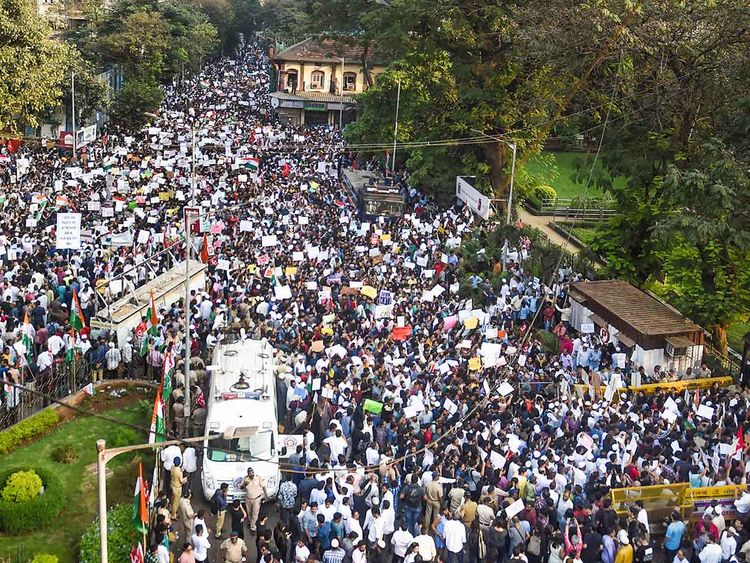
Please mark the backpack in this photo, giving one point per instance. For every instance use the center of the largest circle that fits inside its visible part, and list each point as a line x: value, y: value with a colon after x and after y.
x: 535, y: 545
x: 215, y: 504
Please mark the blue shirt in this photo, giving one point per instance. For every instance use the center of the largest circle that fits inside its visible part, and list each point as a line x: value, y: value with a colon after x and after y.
x: 674, y: 534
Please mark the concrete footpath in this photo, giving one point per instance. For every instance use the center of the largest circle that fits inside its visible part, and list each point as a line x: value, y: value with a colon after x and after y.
x: 542, y: 222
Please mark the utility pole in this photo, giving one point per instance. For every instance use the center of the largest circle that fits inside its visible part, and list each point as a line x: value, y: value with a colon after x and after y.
x: 73, y: 110
x: 514, y: 147
x: 341, y: 91
x: 395, y: 126
x: 188, y: 226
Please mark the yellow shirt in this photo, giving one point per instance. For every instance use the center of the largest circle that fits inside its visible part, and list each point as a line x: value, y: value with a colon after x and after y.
x: 624, y: 554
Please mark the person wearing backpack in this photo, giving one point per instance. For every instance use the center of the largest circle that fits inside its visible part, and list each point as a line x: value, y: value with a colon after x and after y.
x: 219, y: 507
x: 411, y: 501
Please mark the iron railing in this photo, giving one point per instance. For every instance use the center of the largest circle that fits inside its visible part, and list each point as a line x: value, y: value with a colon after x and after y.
x: 62, y: 380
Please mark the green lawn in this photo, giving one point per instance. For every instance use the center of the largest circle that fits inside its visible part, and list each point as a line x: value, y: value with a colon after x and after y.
x: 558, y: 169
x: 584, y: 234
x: 79, y: 478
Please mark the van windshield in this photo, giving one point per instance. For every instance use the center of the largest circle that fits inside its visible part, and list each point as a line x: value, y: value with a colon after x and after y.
x: 259, y: 447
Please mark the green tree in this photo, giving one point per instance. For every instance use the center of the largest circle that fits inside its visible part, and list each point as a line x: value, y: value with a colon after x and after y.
x: 32, y: 65
x: 707, y: 243
x: 514, y: 68
x: 137, y: 97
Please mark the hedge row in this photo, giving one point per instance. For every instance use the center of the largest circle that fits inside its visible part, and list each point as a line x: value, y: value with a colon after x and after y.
x: 28, y: 428
x: 34, y: 514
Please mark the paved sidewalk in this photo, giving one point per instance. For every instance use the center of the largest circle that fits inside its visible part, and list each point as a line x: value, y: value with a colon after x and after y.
x: 542, y: 223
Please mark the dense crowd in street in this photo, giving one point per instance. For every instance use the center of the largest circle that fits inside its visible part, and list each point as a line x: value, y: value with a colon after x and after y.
x: 436, y: 427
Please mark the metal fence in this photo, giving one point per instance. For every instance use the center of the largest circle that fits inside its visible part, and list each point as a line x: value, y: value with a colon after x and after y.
x: 718, y: 362
x: 570, y: 209
x: 63, y: 379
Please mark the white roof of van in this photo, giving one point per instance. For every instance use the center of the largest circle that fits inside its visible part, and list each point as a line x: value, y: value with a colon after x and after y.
x: 251, y: 359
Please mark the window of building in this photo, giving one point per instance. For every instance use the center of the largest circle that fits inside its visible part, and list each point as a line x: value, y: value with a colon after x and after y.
x: 350, y: 81
x: 317, y: 79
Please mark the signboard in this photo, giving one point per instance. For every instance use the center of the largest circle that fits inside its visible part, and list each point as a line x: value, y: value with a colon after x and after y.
x: 85, y: 135
x: 192, y: 218
x: 315, y: 106
x: 293, y: 104
x: 68, y: 232
x: 477, y: 202
x: 66, y: 139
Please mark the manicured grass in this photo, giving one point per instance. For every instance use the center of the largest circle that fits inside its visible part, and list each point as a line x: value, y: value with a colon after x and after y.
x: 584, y: 234
x: 735, y: 336
x: 79, y: 478
x: 561, y: 173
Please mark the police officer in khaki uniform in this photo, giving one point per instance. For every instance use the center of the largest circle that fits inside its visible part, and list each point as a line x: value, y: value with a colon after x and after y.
x: 255, y: 491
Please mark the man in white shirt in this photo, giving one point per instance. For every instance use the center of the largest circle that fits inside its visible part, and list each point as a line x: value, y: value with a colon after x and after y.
x: 728, y: 543
x: 711, y: 553
x: 401, y: 540
x: 376, y: 528
x: 455, y: 538
x: 426, y: 547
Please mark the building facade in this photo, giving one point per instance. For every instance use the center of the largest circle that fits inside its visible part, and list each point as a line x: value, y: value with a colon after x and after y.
x: 316, y: 81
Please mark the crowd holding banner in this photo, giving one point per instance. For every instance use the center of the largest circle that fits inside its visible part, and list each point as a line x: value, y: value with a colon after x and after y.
x: 424, y: 435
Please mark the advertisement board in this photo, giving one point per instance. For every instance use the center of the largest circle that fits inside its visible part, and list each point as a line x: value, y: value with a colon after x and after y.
x: 477, y: 202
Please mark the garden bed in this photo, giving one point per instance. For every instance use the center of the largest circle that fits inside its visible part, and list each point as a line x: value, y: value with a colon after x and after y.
x: 78, y: 436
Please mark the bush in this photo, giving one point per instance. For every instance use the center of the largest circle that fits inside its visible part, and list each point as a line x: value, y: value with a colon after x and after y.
x: 121, y: 536
x: 124, y: 437
x: 45, y: 558
x: 28, y: 428
x: 34, y: 514
x: 545, y: 193
x: 22, y: 486
x: 65, y: 454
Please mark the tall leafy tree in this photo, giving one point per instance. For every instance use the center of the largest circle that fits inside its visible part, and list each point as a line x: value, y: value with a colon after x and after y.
x: 707, y: 242
x: 32, y: 65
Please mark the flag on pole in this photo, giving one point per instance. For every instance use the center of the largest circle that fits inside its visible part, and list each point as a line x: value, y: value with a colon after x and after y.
x: 204, y: 251
x: 136, y: 554
x: 89, y: 389
x: 27, y: 338
x: 248, y: 162
x: 144, y: 345
x: 140, y: 512
x: 157, y: 421
x: 152, y: 321
x: 166, y: 376
x: 739, y: 443
x: 77, y: 320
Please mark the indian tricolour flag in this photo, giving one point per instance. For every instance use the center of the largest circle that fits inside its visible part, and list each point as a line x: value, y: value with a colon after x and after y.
x: 157, y: 421
x: 166, y: 376
x: 27, y: 337
x: 248, y: 162
x: 77, y: 320
x: 152, y: 321
x: 140, y: 511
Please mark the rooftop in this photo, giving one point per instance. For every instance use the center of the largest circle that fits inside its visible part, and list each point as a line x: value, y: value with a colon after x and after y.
x: 311, y: 96
x: 638, y: 309
x: 321, y: 50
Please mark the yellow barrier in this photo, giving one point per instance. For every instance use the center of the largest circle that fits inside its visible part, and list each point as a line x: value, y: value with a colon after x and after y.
x: 661, y: 500
x: 688, y: 384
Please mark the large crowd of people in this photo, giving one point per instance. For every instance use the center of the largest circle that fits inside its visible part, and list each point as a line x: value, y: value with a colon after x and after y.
x: 436, y: 428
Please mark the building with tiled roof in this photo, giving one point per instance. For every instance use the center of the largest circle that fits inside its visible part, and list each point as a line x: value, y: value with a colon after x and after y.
x: 316, y: 80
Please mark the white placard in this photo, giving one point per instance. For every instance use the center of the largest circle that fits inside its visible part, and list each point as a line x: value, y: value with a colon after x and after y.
x: 587, y: 328
x: 514, y: 508
x: 68, y: 232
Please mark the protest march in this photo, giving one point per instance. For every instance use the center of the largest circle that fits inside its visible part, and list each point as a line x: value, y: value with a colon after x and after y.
x: 435, y: 424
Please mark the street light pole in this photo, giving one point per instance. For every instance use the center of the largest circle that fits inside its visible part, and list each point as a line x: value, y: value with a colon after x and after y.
x: 103, y: 455
x: 514, y: 147
x: 73, y: 109
x: 395, y: 126
x: 188, y: 226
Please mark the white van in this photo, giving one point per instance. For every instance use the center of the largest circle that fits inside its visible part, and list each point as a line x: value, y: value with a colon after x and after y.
x: 241, y: 404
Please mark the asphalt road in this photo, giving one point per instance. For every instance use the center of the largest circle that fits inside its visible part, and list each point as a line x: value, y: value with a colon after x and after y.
x: 269, y: 508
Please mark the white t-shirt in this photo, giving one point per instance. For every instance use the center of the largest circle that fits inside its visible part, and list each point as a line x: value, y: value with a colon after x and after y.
x: 200, y: 546
x: 301, y: 554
